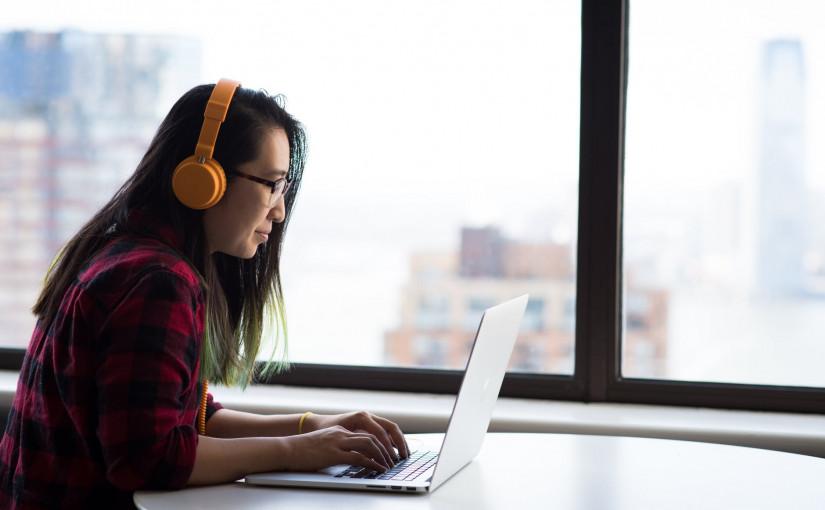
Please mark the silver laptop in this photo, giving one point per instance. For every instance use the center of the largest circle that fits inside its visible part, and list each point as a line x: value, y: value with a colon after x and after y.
x: 424, y: 471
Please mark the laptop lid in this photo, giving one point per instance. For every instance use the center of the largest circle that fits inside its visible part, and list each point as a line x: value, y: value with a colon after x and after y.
x: 473, y: 408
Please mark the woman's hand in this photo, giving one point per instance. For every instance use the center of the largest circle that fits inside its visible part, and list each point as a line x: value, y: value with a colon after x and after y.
x: 221, y: 460
x: 334, y: 445
x: 387, y: 433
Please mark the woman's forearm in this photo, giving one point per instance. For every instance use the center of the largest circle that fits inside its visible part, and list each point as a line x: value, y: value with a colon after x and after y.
x: 221, y: 460
x: 227, y: 423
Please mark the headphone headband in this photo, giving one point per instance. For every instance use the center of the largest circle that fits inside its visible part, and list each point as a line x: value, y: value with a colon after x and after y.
x: 214, y: 115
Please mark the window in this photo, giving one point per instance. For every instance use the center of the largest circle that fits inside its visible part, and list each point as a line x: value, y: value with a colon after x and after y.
x: 443, y: 161
x: 534, y: 316
x: 723, y: 253
x: 461, y: 153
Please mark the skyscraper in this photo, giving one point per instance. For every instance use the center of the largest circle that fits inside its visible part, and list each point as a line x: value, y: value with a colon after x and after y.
x: 77, y: 111
x: 781, y: 228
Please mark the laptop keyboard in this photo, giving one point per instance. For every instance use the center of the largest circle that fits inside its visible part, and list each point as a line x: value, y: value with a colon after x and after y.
x: 406, y: 469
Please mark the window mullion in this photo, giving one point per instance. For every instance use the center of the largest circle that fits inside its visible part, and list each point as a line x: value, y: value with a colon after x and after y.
x: 599, y: 250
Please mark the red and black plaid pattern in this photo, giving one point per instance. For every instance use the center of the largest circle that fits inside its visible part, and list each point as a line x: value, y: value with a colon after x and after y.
x: 107, y: 396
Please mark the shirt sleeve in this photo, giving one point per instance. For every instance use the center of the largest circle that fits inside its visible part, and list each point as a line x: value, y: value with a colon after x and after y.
x: 147, y: 357
x: 211, y: 406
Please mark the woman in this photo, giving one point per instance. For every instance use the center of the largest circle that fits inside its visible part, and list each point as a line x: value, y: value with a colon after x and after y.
x: 166, y: 287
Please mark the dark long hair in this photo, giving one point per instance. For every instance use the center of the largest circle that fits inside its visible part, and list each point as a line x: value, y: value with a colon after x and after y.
x: 243, y: 296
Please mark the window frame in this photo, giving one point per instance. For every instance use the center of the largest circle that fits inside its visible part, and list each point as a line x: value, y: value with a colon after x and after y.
x: 597, y: 376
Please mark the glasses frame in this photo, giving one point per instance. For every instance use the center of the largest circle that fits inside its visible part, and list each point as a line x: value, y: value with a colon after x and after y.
x: 272, y: 185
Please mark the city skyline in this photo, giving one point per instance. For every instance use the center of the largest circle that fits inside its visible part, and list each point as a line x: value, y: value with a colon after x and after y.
x: 71, y: 131
x: 378, y: 247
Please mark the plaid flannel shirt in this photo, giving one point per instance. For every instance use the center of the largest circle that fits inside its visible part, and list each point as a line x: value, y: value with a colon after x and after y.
x: 107, y: 397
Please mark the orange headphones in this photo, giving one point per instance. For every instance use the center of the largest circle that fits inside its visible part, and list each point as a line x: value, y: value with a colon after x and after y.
x: 199, y: 181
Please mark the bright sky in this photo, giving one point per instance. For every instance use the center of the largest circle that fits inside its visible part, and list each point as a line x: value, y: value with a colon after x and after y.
x: 294, y: 47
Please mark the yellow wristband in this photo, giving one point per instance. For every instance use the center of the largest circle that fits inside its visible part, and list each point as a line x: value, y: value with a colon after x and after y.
x: 301, y: 423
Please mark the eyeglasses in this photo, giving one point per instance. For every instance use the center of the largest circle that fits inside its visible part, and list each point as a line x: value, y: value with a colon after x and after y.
x: 277, y: 188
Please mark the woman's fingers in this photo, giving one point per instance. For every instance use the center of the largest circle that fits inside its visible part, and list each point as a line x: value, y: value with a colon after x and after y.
x: 394, y: 434
x: 383, y: 437
x: 370, y: 446
x: 385, y: 430
x: 337, y: 445
x: 357, y: 459
x: 364, y: 444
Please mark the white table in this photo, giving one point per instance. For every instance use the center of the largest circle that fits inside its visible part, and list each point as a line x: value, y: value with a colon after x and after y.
x: 561, y: 471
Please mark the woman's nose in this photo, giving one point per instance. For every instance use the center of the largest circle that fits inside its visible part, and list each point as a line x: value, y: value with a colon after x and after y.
x: 278, y: 211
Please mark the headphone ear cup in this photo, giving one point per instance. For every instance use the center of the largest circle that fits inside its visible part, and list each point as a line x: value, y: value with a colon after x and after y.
x: 199, y: 183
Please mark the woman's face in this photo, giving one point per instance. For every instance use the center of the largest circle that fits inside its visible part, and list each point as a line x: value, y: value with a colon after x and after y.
x: 242, y: 219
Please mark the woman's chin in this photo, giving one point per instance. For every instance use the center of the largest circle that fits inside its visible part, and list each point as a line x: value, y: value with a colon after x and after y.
x: 246, y: 252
